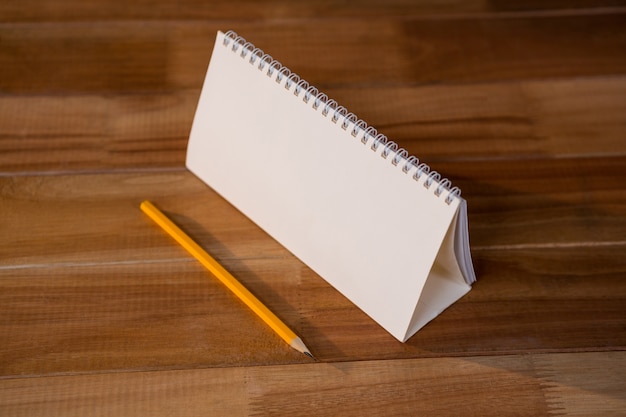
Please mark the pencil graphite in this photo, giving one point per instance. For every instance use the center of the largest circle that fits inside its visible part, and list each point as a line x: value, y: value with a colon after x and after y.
x: 225, y: 277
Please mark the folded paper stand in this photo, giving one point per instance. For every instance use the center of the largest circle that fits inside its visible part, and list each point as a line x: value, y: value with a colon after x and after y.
x: 374, y: 222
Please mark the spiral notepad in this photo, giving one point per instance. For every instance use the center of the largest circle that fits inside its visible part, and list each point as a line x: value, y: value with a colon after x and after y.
x: 377, y: 224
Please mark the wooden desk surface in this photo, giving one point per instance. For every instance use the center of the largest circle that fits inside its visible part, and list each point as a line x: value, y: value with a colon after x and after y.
x: 522, y: 106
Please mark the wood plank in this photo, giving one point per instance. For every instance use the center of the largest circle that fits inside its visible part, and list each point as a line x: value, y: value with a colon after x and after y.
x: 134, y: 316
x: 76, y: 10
x: 559, y: 384
x: 72, y: 10
x: 543, y: 203
x: 166, y: 56
x: 585, y: 387
x: 36, y: 209
x: 66, y: 133
x: 571, y: 117
x: 516, y: 120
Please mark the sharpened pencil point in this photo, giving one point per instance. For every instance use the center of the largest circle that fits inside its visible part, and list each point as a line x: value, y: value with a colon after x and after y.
x: 298, y: 345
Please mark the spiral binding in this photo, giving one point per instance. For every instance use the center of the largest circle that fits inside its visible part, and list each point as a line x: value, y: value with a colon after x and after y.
x: 274, y: 69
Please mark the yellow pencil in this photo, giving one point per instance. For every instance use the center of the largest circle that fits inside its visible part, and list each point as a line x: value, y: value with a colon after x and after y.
x: 225, y: 277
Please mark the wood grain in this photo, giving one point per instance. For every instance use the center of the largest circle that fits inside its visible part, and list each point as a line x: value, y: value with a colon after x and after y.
x: 73, y: 10
x: 553, y: 384
x: 96, y: 57
x: 560, y: 253
x: 171, y: 314
x: 475, y: 122
x: 549, y: 205
x: 521, y: 104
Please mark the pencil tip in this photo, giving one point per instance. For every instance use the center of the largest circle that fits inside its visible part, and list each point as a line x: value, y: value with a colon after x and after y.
x: 298, y: 345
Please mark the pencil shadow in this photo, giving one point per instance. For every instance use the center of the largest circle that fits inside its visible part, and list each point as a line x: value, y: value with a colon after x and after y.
x: 267, y: 293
